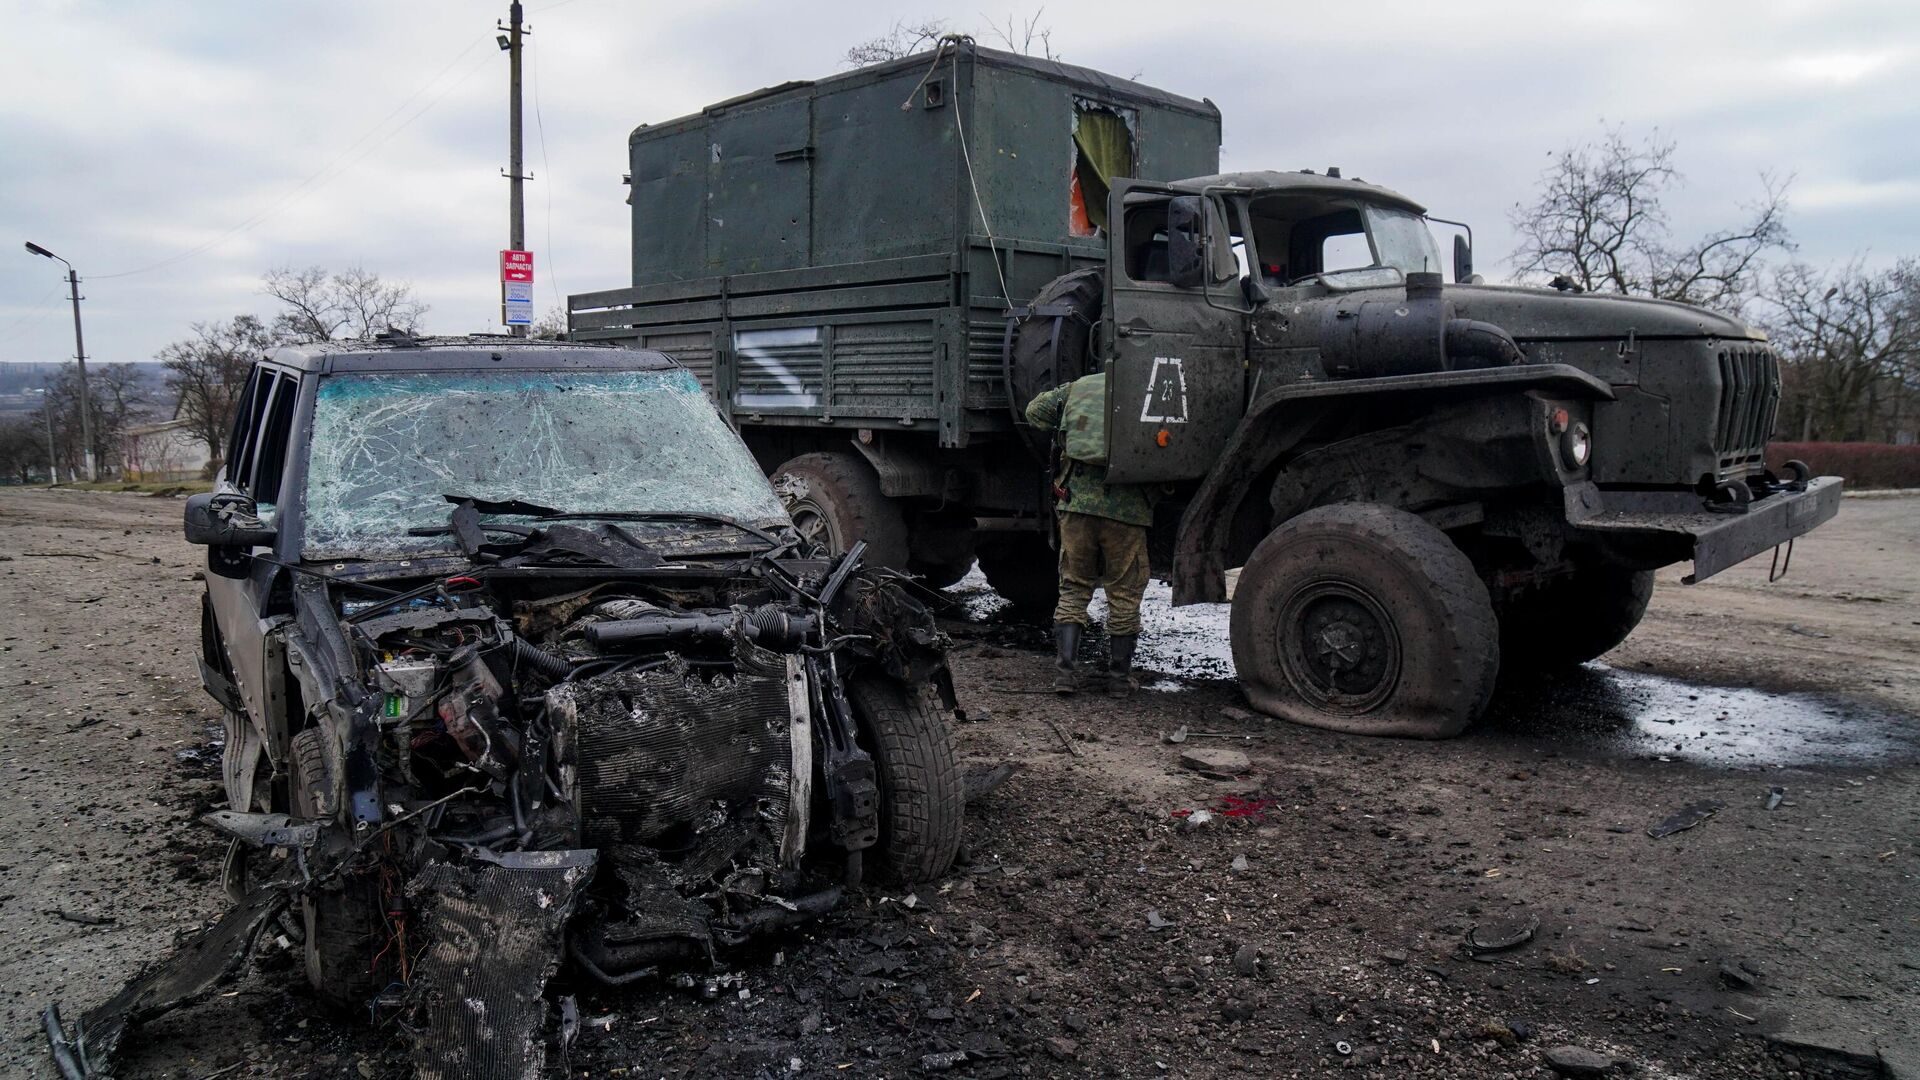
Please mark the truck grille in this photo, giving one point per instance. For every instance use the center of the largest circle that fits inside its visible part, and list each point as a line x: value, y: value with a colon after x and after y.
x: 1749, y: 398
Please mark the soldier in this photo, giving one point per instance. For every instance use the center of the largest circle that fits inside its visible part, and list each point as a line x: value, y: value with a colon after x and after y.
x: 1103, y: 531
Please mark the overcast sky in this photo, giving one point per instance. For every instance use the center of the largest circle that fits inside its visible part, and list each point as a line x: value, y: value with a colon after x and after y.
x: 189, y: 146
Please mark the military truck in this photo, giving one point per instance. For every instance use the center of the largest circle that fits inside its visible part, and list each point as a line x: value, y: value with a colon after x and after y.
x: 1422, y: 481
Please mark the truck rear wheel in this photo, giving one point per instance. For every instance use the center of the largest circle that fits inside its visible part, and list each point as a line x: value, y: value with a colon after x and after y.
x: 1042, y: 361
x: 1025, y: 571
x: 922, y: 796
x: 1366, y: 619
x: 1573, y: 619
x: 840, y: 502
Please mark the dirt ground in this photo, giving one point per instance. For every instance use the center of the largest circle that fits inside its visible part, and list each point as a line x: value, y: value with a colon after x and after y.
x: 1315, y: 926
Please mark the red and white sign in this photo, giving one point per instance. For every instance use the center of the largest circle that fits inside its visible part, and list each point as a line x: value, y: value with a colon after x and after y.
x: 516, y: 266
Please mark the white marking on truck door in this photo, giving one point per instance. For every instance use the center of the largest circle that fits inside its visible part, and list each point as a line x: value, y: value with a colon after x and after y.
x: 1166, y: 400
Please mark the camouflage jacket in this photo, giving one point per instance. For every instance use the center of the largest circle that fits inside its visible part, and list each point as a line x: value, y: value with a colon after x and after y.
x: 1086, y: 487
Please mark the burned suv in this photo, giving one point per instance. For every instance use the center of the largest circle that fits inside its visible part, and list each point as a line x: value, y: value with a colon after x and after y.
x: 522, y: 656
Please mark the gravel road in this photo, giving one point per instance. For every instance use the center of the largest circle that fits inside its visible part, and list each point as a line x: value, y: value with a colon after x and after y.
x: 1096, y: 930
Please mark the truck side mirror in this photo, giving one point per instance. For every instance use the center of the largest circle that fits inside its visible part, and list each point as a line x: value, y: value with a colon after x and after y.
x: 1462, y: 260
x: 1187, y: 241
x: 229, y: 526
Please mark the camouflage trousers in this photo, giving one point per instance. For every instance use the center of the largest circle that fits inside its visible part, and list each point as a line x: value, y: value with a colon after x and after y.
x: 1097, y: 552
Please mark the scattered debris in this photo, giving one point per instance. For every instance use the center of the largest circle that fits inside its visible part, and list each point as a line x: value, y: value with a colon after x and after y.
x: 943, y: 1061
x: 83, y: 918
x: 1795, y: 628
x: 1066, y: 740
x: 1239, y: 715
x: 981, y: 780
x: 1157, y: 921
x: 1499, y: 935
x: 1776, y: 797
x: 1342, y: 1047
x: 1238, y: 864
x: 1246, y: 960
x: 1394, y: 957
x: 1578, y: 1061
x: 1686, y: 817
x: 1176, y: 736
x: 1735, y: 976
x: 1215, y: 763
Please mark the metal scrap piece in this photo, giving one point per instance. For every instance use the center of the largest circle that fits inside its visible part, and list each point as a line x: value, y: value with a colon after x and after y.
x: 494, y: 937
x: 208, y: 959
x: 1686, y: 817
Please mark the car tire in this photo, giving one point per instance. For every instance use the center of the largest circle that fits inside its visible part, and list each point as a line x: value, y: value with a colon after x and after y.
x: 842, y: 503
x: 342, y: 917
x: 1365, y: 619
x: 1025, y: 572
x: 922, y: 796
x: 1573, y: 619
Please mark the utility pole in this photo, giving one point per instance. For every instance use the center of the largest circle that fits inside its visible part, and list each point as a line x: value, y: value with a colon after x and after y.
x: 516, y: 206
x: 80, y: 350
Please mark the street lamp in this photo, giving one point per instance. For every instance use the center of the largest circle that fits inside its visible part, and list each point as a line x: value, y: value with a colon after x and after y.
x: 80, y: 355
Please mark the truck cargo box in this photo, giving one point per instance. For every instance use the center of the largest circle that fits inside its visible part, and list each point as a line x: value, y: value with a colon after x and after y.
x: 841, y: 253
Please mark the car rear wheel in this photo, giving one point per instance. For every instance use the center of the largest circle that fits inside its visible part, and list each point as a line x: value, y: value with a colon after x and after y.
x: 1366, y: 619
x: 838, y: 501
x: 922, y: 797
x: 1573, y: 619
x: 342, y: 918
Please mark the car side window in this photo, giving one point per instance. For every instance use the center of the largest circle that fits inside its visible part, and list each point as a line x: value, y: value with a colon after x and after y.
x: 246, y: 422
x: 270, y: 455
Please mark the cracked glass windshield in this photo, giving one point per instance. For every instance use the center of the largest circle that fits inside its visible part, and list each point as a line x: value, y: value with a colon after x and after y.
x: 387, y: 448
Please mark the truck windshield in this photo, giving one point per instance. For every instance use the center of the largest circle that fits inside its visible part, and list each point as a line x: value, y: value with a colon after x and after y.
x: 1401, y: 240
x: 386, y: 448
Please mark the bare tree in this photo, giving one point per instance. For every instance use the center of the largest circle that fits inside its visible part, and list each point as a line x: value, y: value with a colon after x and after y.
x: 324, y: 306
x: 1850, y: 342
x: 1600, y: 222
x: 1025, y: 36
x: 550, y: 326
x: 904, y: 38
x: 1029, y: 36
x: 23, y: 449
x: 208, y: 370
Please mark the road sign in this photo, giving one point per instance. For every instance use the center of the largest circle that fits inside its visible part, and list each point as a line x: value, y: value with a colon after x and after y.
x: 516, y: 290
x: 517, y: 312
x: 516, y: 266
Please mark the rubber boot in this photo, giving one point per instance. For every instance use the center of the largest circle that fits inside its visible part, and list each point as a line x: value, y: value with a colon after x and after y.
x: 1120, y: 668
x: 1066, y: 646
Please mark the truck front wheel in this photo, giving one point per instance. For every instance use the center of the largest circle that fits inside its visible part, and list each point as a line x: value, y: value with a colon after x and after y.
x: 837, y: 500
x: 1366, y: 619
x: 1573, y: 619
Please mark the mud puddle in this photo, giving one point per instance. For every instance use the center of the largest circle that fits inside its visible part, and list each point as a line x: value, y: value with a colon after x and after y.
x: 1637, y: 714
x: 1595, y: 708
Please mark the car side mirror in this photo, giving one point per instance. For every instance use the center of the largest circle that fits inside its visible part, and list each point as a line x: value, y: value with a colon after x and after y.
x: 226, y: 520
x: 1462, y: 260
x: 1187, y: 241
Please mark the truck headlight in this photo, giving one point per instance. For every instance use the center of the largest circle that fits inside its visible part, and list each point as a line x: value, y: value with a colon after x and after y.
x: 1577, y: 444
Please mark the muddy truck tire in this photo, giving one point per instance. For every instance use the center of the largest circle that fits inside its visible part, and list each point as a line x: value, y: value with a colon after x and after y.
x: 922, y: 796
x: 1573, y: 619
x: 341, y: 918
x: 843, y: 503
x: 1365, y: 619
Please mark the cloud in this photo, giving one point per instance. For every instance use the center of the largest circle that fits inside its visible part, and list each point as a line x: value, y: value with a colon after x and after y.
x: 373, y: 134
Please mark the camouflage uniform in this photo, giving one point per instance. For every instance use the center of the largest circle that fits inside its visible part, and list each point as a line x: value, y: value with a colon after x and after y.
x: 1103, y: 537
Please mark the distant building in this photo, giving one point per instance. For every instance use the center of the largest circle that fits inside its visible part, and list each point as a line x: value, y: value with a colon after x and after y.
x: 164, y: 452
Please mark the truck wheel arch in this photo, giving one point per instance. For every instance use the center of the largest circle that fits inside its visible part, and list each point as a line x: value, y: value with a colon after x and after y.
x: 1229, y: 504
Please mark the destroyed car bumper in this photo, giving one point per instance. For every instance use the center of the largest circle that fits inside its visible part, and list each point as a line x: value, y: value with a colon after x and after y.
x: 1655, y: 528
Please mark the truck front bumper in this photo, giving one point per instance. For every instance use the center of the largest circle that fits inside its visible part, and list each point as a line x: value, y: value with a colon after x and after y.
x: 1654, y: 528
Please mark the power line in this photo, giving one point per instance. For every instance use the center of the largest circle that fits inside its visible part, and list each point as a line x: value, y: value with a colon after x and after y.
x: 331, y: 169
x: 32, y: 312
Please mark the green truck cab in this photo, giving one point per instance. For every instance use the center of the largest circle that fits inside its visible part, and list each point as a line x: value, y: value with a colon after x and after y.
x: 1422, y: 481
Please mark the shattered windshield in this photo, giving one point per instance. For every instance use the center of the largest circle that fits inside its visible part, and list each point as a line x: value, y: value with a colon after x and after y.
x: 1401, y: 240
x: 386, y: 448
